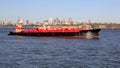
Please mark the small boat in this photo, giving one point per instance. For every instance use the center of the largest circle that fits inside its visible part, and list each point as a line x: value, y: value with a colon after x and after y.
x: 58, y: 31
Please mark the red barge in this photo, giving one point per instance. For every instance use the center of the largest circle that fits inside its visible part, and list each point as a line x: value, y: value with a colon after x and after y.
x: 83, y: 32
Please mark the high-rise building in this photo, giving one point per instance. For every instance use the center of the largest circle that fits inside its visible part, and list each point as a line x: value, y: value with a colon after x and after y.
x: 70, y: 21
x: 27, y: 22
x: 57, y: 20
x: 50, y: 21
x: 63, y: 21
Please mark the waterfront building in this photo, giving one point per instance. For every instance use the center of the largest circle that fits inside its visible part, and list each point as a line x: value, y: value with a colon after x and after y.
x: 89, y: 22
x: 36, y: 23
x: 45, y: 22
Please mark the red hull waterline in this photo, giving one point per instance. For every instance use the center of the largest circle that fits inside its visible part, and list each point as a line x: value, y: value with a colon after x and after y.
x: 77, y: 33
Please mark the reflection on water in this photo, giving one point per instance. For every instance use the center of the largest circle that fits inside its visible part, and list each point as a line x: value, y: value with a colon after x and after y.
x: 54, y: 52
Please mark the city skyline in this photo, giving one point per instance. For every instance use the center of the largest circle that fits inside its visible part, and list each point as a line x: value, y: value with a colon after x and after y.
x: 78, y: 10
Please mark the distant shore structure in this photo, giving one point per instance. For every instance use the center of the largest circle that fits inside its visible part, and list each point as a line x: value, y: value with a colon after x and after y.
x: 60, y: 21
x: 57, y: 21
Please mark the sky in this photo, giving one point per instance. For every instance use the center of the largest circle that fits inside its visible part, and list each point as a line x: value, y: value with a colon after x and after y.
x: 78, y: 10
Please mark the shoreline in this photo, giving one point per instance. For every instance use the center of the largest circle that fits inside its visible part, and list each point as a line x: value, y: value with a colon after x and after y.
x: 35, y: 27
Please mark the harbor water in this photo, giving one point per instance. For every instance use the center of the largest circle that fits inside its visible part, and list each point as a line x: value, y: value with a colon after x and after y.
x: 60, y: 52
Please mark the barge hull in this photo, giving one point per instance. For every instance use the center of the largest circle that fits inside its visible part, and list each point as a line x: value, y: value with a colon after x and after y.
x: 94, y: 33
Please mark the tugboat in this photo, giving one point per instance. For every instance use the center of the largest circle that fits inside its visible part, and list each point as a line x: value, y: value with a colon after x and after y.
x: 85, y: 31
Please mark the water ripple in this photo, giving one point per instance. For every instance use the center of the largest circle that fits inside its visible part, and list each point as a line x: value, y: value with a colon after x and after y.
x: 53, y: 52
